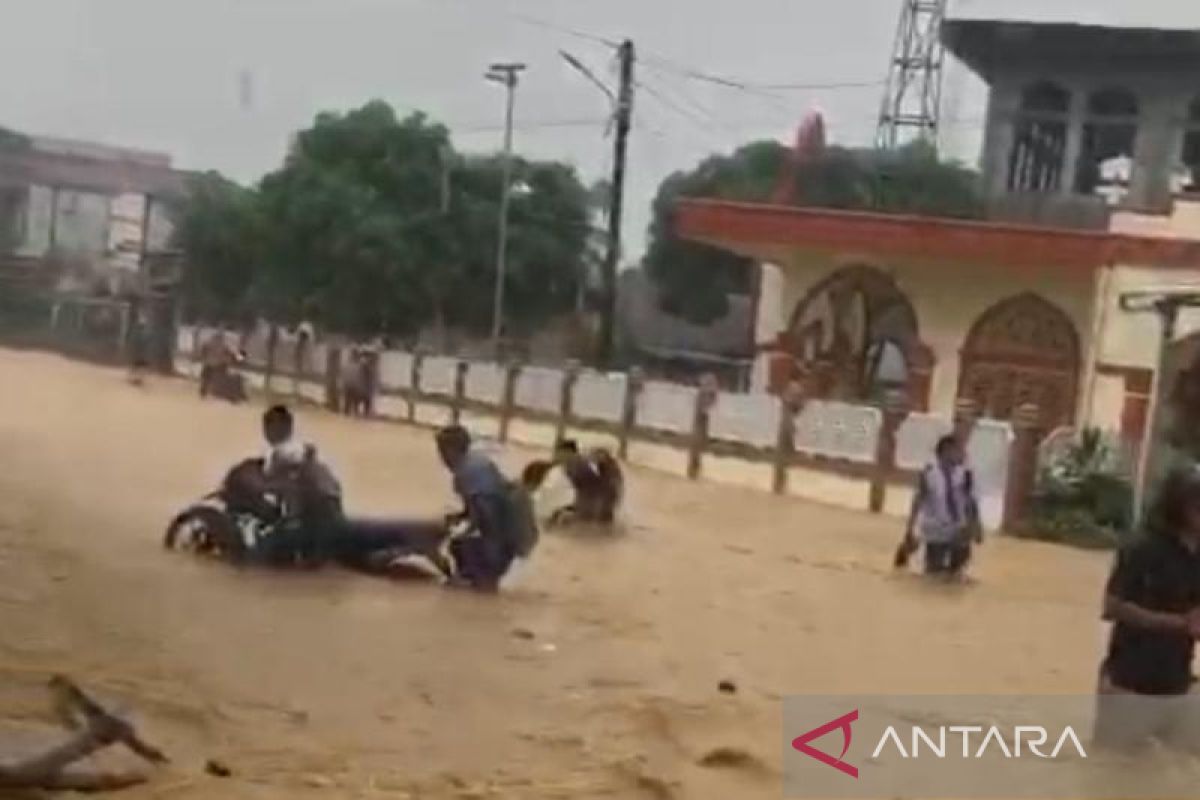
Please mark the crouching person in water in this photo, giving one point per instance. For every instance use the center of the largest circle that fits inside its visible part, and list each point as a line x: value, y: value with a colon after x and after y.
x: 596, y: 479
x: 1152, y: 600
x: 597, y: 484
x: 497, y: 512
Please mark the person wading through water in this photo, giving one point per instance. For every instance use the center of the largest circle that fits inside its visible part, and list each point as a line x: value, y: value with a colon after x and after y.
x: 946, y: 510
x: 498, y: 513
x: 1152, y: 599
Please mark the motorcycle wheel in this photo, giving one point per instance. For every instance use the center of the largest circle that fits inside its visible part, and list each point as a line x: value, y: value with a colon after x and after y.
x: 206, y: 531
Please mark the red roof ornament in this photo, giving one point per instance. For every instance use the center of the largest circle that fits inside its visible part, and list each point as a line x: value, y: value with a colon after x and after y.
x: 810, y: 146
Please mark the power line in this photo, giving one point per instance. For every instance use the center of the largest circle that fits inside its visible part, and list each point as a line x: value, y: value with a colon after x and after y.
x: 551, y: 123
x: 694, y: 73
x: 755, y: 87
x: 552, y: 26
x: 662, y: 98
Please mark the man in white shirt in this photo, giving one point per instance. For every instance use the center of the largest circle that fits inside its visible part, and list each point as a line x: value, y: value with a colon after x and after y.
x: 310, y: 490
x: 947, y: 511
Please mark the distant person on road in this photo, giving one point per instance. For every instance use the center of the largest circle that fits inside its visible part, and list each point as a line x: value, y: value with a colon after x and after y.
x: 217, y: 356
x: 1153, y: 600
x: 139, y: 349
x: 945, y: 510
x: 500, y: 519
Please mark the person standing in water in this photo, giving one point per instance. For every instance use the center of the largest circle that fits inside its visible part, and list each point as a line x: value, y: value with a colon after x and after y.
x: 946, y: 511
x: 1152, y: 599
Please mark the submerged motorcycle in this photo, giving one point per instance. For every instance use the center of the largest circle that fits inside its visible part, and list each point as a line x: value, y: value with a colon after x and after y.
x: 236, y: 524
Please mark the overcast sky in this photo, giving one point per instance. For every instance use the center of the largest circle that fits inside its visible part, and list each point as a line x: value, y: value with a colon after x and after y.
x: 165, y: 74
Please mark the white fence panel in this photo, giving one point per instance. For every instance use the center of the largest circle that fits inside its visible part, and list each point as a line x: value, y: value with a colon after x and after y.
x: 395, y: 370
x: 185, y: 342
x: 286, y: 353
x: 438, y: 375
x: 317, y: 361
x: 539, y: 389
x: 988, y: 455
x: 917, y: 437
x: 256, y: 349
x: 485, y: 383
x: 838, y: 430
x: 748, y: 418
x: 599, y: 397
x: 667, y: 407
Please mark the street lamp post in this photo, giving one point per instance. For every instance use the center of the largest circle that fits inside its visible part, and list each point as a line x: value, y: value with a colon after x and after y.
x: 508, y: 75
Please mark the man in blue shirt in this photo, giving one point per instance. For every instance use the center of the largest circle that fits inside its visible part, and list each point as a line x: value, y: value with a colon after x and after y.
x: 484, y: 555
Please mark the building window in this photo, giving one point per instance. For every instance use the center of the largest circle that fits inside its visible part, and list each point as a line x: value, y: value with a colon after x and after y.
x: 853, y: 330
x: 1108, y: 144
x: 1040, y: 142
x: 886, y: 371
x: 1189, y: 173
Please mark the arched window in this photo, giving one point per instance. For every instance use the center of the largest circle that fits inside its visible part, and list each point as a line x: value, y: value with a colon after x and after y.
x: 853, y: 325
x: 1109, y: 142
x: 885, y: 370
x: 1040, y: 139
x: 1112, y: 103
x: 1189, y: 179
x: 1045, y: 97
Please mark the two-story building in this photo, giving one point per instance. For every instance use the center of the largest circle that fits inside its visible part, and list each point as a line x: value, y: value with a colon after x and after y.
x: 96, y: 209
x: 1091, y: 164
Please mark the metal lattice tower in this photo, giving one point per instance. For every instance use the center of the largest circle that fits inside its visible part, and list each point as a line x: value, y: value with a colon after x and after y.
x: 912, y: 101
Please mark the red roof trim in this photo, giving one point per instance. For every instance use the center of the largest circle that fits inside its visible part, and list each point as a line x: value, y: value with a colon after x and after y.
x: 728, y: 223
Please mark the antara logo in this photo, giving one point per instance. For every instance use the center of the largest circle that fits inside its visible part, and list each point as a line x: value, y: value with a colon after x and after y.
x: 843, y: 723
x: 1024, y: 739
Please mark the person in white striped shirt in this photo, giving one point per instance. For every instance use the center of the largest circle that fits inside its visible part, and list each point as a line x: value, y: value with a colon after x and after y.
x: 945, y: 509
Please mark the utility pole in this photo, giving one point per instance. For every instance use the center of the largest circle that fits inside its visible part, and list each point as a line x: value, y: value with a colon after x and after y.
x: 508, y: 75
x: 1166, y: 305
x: 624, y: 121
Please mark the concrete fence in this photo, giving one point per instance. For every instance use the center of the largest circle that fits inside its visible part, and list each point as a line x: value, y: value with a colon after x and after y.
x: 856, y: 456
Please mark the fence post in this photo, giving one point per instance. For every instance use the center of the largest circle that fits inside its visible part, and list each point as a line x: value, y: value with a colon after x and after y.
x: 460, y: 391
x: 333, y: 378
x: 300, y: 364
x: 633, y: 387
x: 895, y: 410
x: 566, y: 399
x: 1022, y: 466
x: 508, y: 398
x: 272, y: 347
x: 414, y: 390
x: 374, y: 357
x: 706, y: 398
x: 791, y: 403
x: 966, y: 415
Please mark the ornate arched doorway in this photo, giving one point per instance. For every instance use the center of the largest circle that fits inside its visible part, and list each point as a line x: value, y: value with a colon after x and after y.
x: 855, y: 336
x: 1022, y: 350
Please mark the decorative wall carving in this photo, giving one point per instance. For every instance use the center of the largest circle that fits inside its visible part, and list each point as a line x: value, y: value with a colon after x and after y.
x: 1022, y: 350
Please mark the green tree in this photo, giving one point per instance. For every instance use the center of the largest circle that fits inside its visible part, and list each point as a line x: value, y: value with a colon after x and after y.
x: 219, y: 230
x: 695, y: 280
x: 374, y: 224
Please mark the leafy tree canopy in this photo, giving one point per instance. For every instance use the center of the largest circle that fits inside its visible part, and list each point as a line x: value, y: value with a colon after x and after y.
x: 375, y: 224
x: 695, y: 280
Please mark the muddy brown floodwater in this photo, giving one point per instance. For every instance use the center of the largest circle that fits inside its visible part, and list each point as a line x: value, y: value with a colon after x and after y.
x: 595, y: 676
